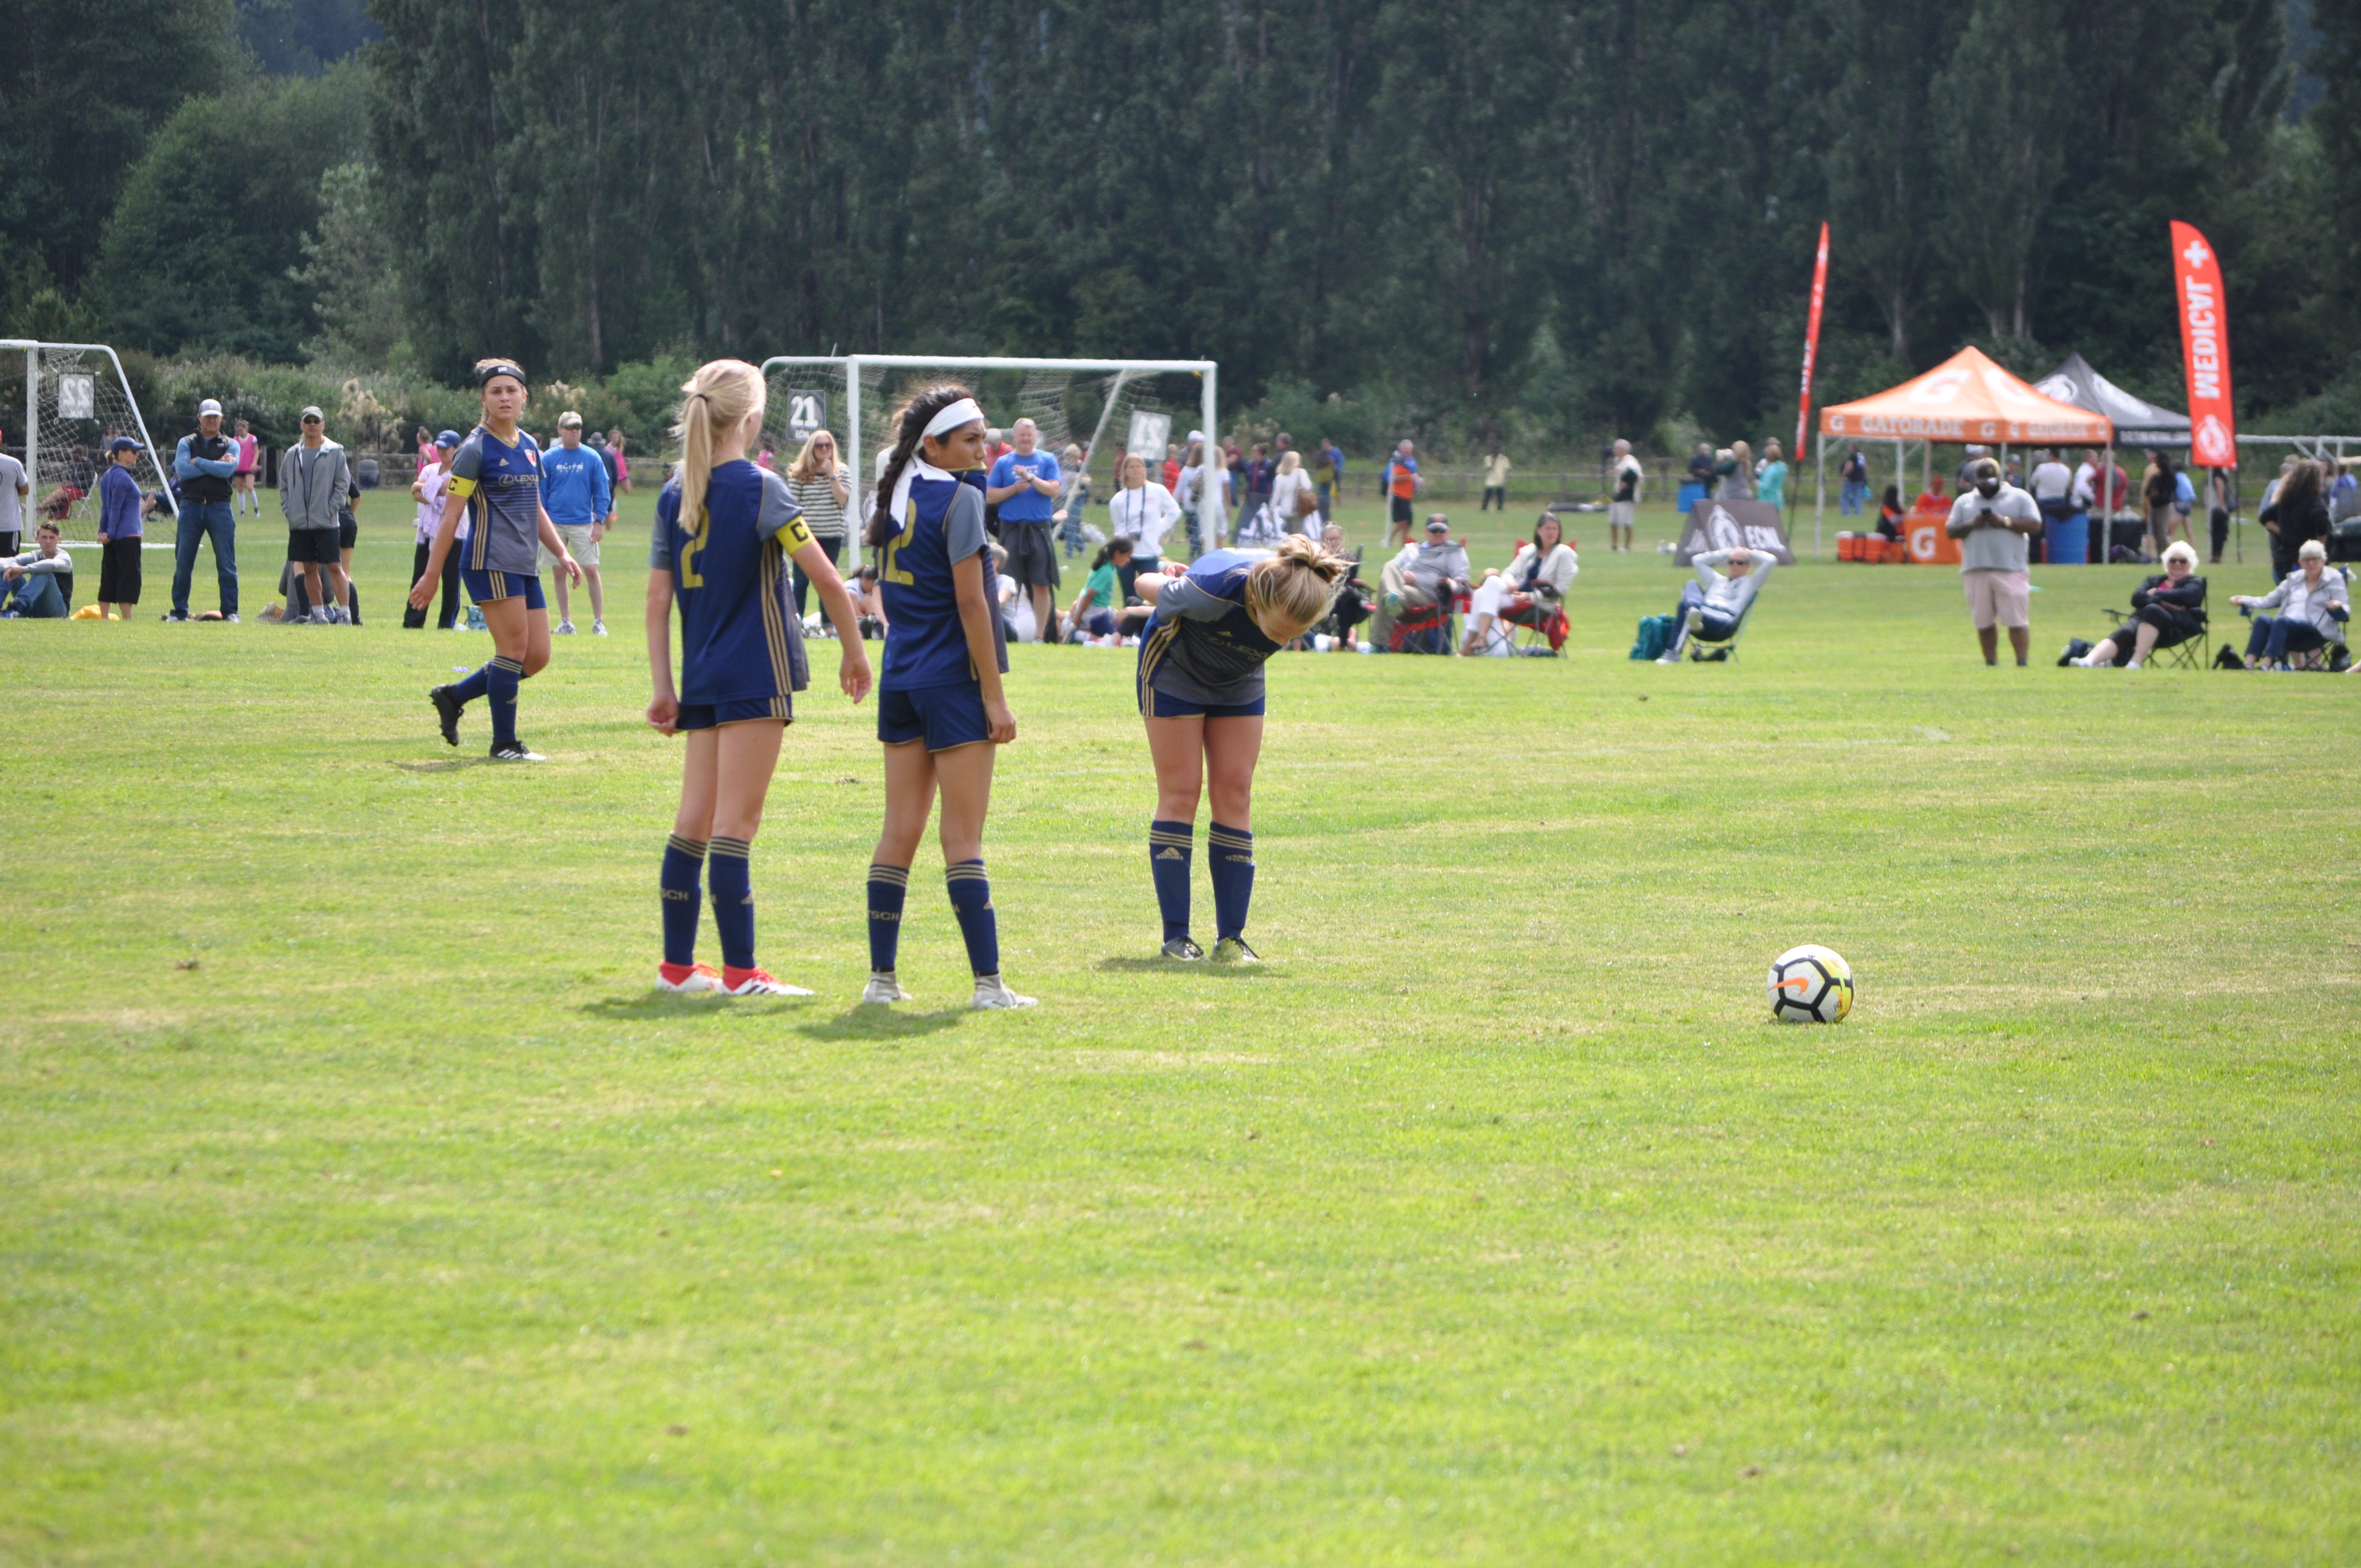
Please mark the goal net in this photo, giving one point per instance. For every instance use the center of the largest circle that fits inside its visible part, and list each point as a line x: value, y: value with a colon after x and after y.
x: 1102, y: 408
x: 77, y: 402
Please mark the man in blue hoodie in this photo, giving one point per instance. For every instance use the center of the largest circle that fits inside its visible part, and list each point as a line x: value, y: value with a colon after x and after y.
x: 581, y: 503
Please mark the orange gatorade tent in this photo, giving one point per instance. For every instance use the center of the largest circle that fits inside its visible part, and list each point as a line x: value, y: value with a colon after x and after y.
x: 1968, y: 399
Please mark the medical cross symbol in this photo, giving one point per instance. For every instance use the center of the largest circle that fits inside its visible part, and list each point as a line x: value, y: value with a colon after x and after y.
x: 2196, y: 253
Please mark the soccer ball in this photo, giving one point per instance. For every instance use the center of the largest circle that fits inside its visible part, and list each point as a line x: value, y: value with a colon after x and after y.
x: 1810, y: 984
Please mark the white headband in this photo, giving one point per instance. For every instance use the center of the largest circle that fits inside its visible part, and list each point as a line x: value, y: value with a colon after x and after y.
x: 963, y: 412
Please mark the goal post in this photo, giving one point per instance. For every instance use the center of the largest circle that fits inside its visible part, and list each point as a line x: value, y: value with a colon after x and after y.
x: 1088, y: 403
x: 76, y: 400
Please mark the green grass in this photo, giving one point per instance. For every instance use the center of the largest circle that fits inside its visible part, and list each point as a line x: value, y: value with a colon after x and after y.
x: 364, y: 1205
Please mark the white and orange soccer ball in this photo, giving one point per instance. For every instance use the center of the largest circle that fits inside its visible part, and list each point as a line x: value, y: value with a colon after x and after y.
x: 1810, y: 984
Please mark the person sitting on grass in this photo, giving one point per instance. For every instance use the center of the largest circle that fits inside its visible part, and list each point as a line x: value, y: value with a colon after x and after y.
x: 1351, y: 606
x: 870, y: 601
x: 2314, y: 606
x: 2166, y: 611
x: 1720, y: 598
x: 1098, y: 610
x: 1890, y: 515
x: 29, y: 585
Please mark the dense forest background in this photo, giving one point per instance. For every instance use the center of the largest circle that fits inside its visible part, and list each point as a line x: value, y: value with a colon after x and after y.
x: 1560, y: 218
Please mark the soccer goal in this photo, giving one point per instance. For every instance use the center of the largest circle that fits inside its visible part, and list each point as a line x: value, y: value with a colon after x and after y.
x: 1140, y: 405
x: 76, y: 400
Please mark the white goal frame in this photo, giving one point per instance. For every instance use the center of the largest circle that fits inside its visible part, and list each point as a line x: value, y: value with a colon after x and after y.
x: 32, y: 349
x: 1212, y: 517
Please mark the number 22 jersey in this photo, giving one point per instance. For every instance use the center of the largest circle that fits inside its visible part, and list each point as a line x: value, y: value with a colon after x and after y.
x: 741, y: 639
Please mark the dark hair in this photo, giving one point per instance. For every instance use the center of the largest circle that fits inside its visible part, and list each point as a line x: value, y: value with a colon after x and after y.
x: 2298, y: 491
x: 868, y: 574
x: 1894, y: 497
x: 1122, y: 542
x: 1548, y: 519
x: 910, y: 427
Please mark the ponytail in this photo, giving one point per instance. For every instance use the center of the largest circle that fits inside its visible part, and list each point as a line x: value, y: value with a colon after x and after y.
x: 1297, y: 581
x: 717, y: 400
x: 1122, y: 542
x: 909, y: 426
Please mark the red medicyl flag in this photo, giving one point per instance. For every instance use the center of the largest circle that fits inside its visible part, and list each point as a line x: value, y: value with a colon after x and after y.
x: 1811, y: 347
x: 2205, y: 348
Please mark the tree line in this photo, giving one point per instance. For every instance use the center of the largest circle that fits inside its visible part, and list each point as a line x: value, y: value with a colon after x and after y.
x: 1569, y: 216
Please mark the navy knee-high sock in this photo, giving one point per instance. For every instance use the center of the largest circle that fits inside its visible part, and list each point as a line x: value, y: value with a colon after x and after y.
x: 729, y: 876
x: 1229, y: 855
x: 505, y: 675
x: 971, y: 892
x: 1170, y: 849
x: 684, y: 858
x: 888, y: 886
x: 474, y: 686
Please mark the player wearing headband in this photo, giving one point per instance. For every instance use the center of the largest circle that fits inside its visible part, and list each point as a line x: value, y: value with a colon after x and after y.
x: 1201, y: 692
x: 940, y: 712
x: 725, y: 531
x: 496, y: 483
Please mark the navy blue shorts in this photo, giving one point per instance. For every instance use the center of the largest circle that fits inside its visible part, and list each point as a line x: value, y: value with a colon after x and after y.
x: 710, y: 715
x: 1099, y: 623
x: 943, y: 717
x: 1167, y: 706
x: 486, y: 586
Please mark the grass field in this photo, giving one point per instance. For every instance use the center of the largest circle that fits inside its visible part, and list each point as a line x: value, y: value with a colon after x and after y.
x: 365, y: 1205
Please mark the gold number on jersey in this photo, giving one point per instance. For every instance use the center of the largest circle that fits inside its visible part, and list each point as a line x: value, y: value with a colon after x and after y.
x: 890, y: 573
x: 690, y: 578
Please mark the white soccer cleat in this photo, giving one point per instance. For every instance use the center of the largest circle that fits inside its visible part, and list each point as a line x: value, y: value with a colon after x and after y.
x: 756, y: 982
x: 565, y: 629
x: 597, y: 629
x: 883, y: 990
x: 687, y: 980
x: 992, y: 991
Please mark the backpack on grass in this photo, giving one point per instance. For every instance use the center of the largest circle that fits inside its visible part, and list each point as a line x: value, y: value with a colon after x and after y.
x: 1655, y: 636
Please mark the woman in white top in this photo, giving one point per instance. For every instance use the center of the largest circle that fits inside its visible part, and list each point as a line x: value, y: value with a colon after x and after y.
x: 1288, y: 491
x: 1538, y: 580
x: 1144, y: 509
x: 2314, y: 606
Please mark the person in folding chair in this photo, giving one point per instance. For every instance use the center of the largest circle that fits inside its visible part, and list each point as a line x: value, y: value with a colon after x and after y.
x: 2169, y: 611
x: 1422, y: 585
x: 2314, y: 606
x: 1713, y: 607
x: 1538, y: 580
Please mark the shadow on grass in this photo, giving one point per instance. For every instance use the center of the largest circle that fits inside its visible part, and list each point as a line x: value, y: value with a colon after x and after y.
x: 874, y: 1023
x: 660, y: 1005
x: 448, y: 766
x: 1196, y: 969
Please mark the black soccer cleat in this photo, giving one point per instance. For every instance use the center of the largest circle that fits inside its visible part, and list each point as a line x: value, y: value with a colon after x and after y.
x: 1234, y: 950
x: 1182, y: 948
x: 448, y: 708
x: 516, y: 751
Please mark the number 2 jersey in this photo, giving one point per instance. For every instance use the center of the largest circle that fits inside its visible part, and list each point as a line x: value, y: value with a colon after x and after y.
x: 926, y: 642
x: 1202, y: 645
x: 741, y: 639
x: 501, y: 485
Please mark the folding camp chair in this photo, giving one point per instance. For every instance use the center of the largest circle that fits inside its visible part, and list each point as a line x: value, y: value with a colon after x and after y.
x: 1702, y: 649
x: 1531, y: 638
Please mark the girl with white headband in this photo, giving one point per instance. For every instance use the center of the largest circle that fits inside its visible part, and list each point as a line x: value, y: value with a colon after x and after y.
x: 940, y: 711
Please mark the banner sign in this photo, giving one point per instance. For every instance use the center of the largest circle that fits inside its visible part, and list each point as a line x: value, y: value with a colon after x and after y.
x: 2204, y: 349
x: 1811, y: 347
x: 1718, y: 525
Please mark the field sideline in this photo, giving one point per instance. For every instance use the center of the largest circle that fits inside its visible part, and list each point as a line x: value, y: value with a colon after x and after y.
x: 365, y: 1205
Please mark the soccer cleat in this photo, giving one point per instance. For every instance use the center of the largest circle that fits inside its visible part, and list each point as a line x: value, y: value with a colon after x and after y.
x: 992, y: 991
x: 447, y: 709
x: 756, y: 982
x: 516, y: 751
x: 687, y: 980
x: 1182, y: 948
x: 1234, y: 950
x: 883, y: 989
x: 565, y: 629
x: 232, y: 619
x: 597, y: 629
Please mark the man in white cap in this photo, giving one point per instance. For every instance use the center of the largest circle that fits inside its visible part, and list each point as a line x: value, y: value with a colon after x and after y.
x: 204, y: 466
x: 312, y: 481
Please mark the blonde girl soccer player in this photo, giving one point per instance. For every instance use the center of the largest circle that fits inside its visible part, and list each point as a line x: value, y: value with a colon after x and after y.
x: 1201, y: 692
x: 940, y: 711
x: 726, y: 531
x: 496, y: 483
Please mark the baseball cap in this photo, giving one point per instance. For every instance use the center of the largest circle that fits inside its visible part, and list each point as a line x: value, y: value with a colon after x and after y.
x: 1438, y: 523
x: 122, y: 443
x: 447, y: 438
x: 569, y: 420
x: 312, y: 411
x: 209, y: 406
